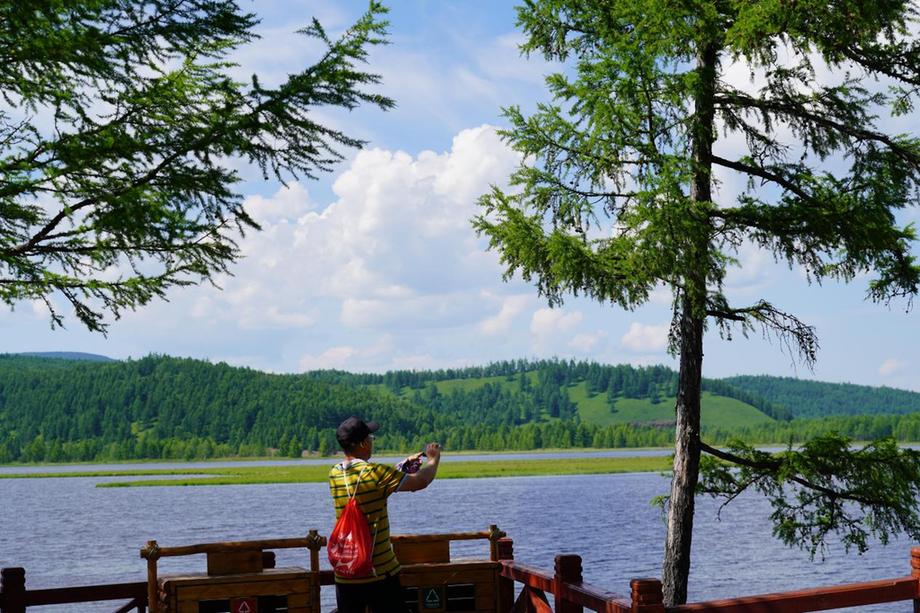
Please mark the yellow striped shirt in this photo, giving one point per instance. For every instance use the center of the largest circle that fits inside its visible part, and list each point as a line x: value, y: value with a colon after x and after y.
x: 376, y: 483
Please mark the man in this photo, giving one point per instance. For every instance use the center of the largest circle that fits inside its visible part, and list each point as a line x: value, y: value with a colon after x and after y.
x: 372, y: 484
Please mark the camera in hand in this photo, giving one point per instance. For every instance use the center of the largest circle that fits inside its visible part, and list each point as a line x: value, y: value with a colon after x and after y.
x: 412, y: 464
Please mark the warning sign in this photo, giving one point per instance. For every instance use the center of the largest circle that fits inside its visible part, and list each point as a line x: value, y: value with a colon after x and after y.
x: 431, y: 598
x: 243, y: 605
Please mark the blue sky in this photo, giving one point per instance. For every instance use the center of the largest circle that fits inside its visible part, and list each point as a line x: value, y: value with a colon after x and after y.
x: 375, y: 266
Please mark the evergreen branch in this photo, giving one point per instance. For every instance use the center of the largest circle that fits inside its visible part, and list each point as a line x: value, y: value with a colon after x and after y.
x: 795, y: 336
x: 898, y: 63
x: 763, y: 173
x: 823, y: 487
x: 796, y: 109
x: 140, y: 183
x: 773, y: 466
x: 67, y: 211
x: 551, y: 179
x: 280, y: 98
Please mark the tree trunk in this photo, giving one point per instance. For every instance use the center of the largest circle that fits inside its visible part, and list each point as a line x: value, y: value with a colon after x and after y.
x: 676, y: 566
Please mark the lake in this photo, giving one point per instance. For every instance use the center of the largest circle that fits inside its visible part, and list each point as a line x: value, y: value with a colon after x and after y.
x: 65, y: 531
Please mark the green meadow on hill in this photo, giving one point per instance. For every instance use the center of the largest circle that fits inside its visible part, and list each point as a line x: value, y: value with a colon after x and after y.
x: 595, y: 408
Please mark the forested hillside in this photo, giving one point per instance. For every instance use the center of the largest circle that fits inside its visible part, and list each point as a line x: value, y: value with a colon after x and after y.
x: 818, y: 399
x: 163, y: 407
x: 616, y: 383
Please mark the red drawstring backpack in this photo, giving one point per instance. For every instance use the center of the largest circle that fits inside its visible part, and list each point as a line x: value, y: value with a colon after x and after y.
x: 350, y: 547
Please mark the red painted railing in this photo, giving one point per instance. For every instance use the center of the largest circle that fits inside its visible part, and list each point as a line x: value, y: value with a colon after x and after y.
x: 572, y: 595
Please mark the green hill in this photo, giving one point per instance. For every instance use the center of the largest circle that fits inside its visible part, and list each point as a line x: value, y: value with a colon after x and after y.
x: 717, y: 411
x: 806, y: 398
x: 594, y: 408
x: 54, y: 409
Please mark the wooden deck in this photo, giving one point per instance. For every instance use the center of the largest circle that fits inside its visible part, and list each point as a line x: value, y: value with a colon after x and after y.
x: 433, y: 581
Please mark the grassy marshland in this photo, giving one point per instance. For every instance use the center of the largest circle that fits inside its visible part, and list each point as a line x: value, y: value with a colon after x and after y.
x: 252, y: 475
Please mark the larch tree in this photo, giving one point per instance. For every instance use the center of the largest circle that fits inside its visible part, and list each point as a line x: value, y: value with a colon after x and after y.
x: 615, y: 197
x: 120, y: 131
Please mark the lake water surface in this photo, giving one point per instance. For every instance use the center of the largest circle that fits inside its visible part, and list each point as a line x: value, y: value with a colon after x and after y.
x: 65, y: 531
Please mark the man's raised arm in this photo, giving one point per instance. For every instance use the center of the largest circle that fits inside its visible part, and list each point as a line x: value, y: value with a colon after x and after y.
x: 426, y: 474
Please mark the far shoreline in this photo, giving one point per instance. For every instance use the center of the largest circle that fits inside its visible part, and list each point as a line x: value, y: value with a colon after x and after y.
x: 318, y: 473
x: 384, y: 455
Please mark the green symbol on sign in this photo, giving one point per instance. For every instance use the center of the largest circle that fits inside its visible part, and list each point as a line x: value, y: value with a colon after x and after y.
x: 432, y: 598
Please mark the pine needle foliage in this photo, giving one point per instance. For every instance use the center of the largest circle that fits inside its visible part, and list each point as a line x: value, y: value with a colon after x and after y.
x: 827, y: 487
x: 617, y: 195
x: 120, y: 130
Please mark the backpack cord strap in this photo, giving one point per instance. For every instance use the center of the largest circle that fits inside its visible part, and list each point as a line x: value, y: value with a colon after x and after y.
x: 345, y: 481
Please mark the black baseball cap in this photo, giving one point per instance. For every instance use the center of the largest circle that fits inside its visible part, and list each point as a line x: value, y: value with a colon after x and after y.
x: 354, y: 430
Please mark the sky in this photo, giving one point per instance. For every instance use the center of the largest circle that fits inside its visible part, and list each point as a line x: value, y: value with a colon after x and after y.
x: 375, y: 266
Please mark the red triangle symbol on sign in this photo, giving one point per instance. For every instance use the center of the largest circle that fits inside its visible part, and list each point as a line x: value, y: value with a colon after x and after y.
x: 244, y: 608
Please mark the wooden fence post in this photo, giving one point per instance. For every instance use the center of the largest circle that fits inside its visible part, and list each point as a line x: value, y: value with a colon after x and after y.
x: 13, y: 588
x: 315, y: 542
x: 647, y: 596
x: 152, y: 553
x: 568, y: 570
x: 504, y: 549
x: 915, y: 573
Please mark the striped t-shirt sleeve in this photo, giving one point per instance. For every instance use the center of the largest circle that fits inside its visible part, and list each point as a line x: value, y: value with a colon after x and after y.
x: 388, y: 478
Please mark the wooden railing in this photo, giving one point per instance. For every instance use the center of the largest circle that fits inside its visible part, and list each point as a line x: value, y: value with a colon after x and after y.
x: 15, y: 598
x: 564, y: 587
x: 236, y: 552
x: 572, y: 595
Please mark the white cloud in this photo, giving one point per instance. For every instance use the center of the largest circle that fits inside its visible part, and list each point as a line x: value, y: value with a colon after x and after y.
x: 462, y: 78
x: 646, y: 338
x: 416, y: 312
x: 547, y: 321
x: 661, y: 295
x: 550, y: 328
x: 501, y: 60
x: 249, y: 309
x: 394, y: 251
x: 890, y: 367
x: 348, y: 357
x: 587, y: 342
x: 511, y: 307
x: 334, y: 357
x: 288, y: 203
x: 39, y: 308
x: 755, y: 270
x: 412, y: 362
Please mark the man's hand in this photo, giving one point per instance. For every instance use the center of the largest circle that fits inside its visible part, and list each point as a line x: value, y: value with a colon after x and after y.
x: 426, y: 474
x: 433, y: 451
